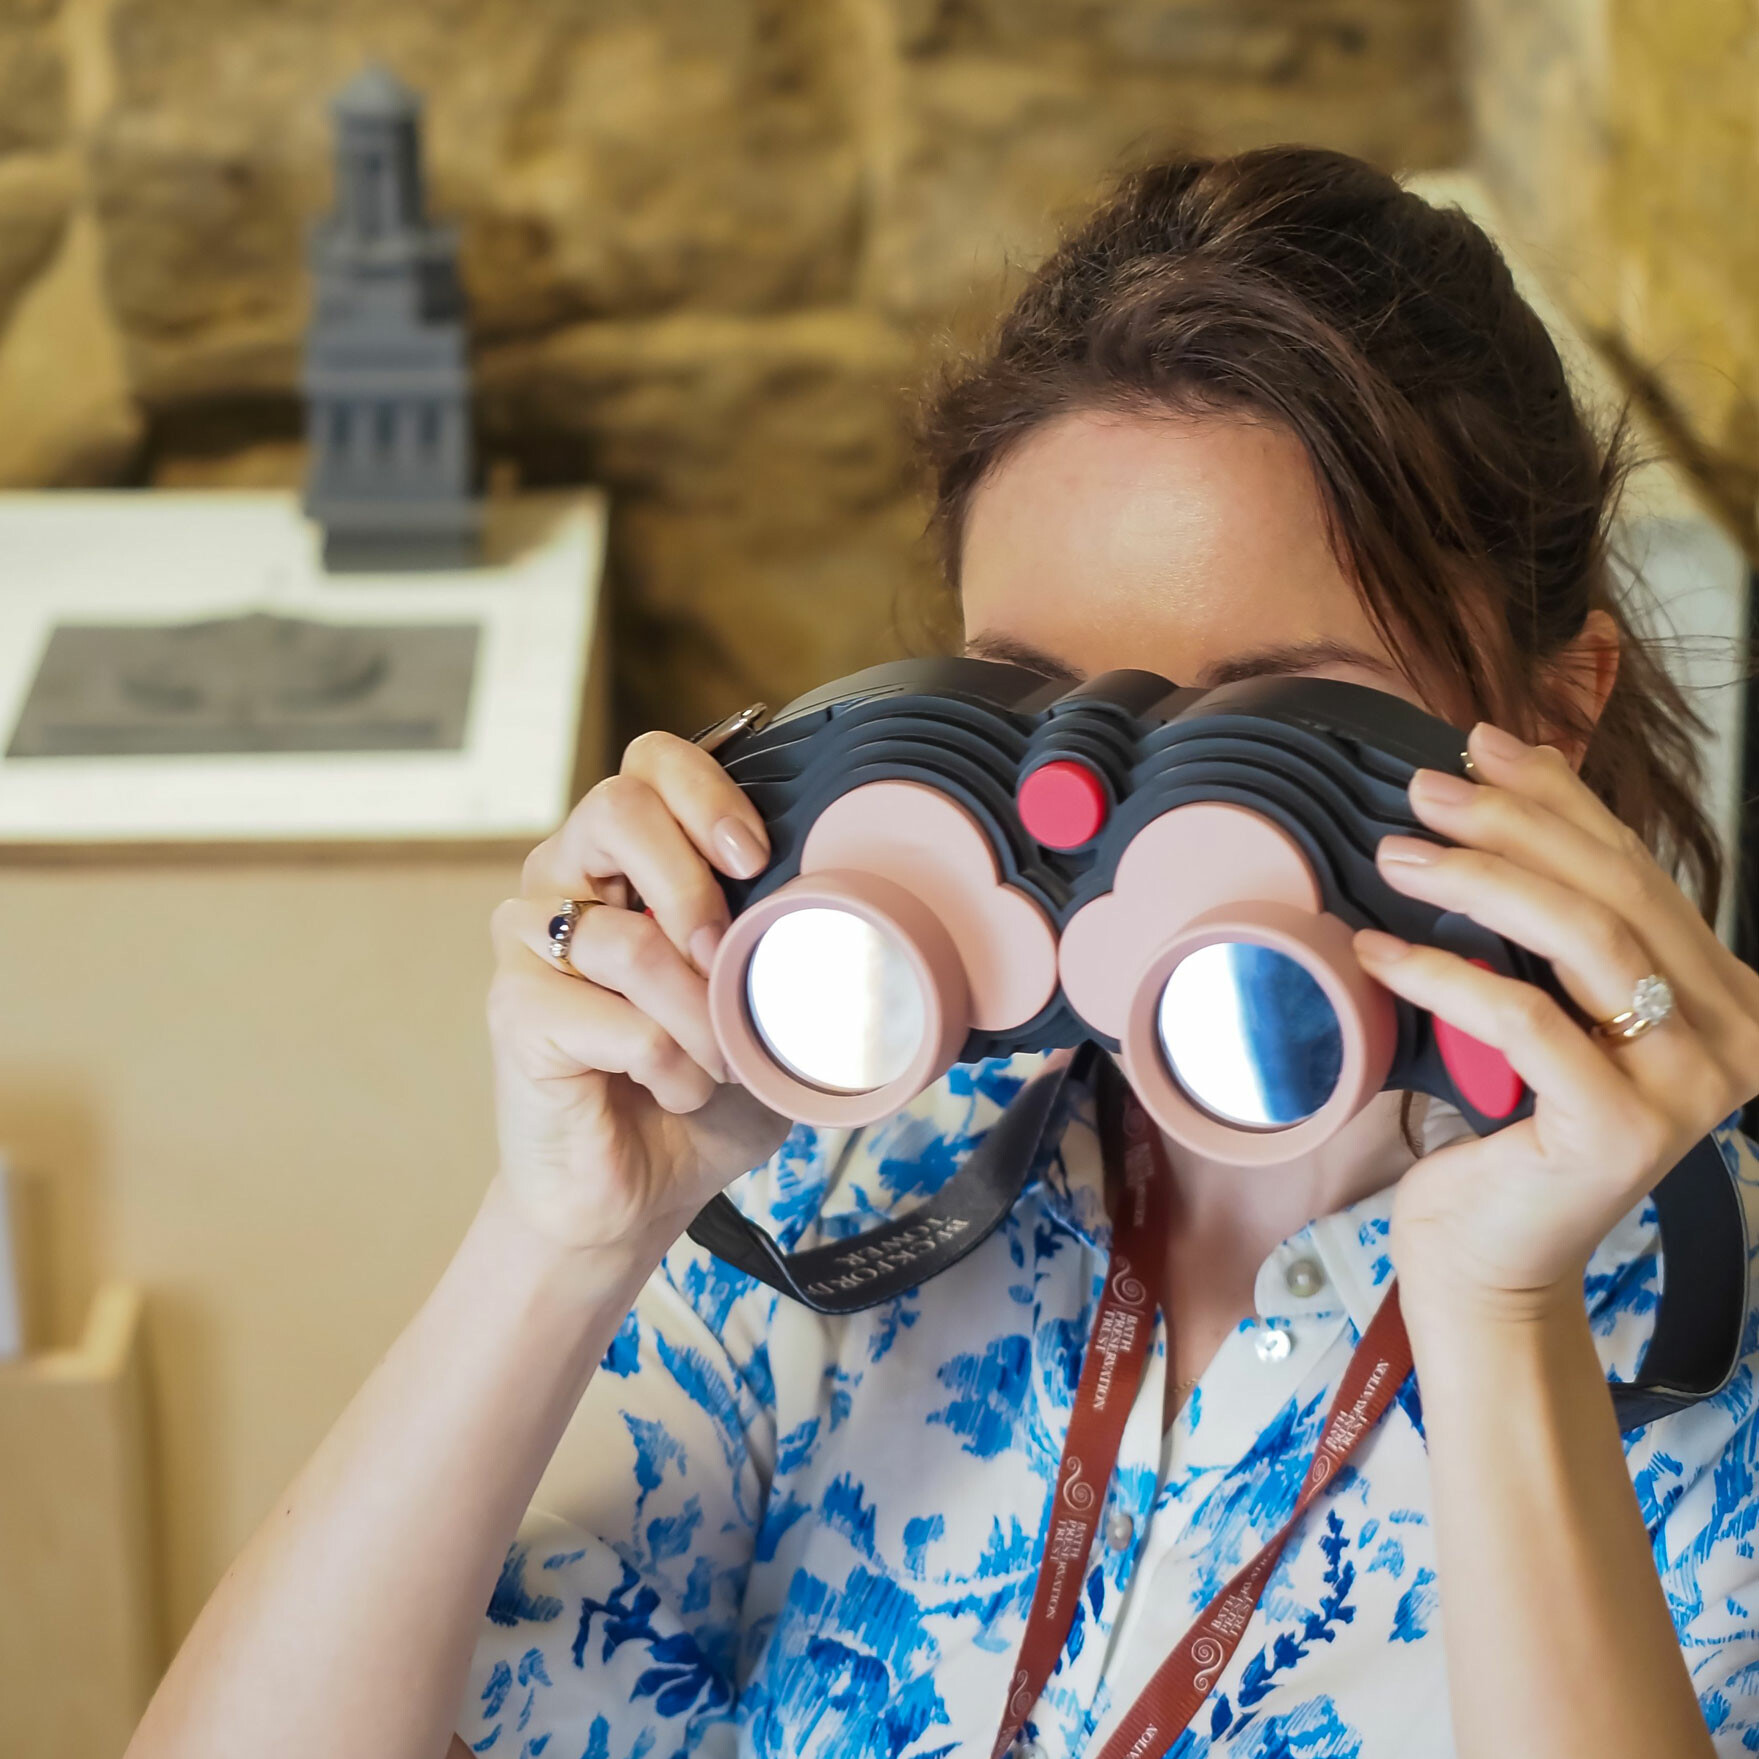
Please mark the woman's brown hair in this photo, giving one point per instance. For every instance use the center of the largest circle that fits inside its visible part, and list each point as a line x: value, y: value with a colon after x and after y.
x: 1467, y: 494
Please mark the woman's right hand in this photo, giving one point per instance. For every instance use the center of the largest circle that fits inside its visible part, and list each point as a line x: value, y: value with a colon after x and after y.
x: 615, y: 1116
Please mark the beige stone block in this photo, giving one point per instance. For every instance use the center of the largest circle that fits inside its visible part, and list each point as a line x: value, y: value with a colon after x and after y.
x: 1621, y: 138
x: 702, y: 409
x: 33, y: 84
x: 712, y: 613
x: 268, y: 464
x: 1686, y: 77
x: 36, y: 196
x: 1539, y: 78
x: 67, y: 418
x: 203, y: 225
x: 765, y: 524
x: 1285, y: 40
x: 598, y: 157
x: 1009, y: 121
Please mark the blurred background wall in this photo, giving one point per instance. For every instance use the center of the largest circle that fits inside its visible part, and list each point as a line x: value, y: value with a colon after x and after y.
x: 1620, y: 139
x: 711, y: 247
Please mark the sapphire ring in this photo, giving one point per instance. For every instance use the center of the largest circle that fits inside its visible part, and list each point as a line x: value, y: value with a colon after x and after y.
x: 561, y: 928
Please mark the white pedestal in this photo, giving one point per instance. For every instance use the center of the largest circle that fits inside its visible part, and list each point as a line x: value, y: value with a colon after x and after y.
x: 536, y: 716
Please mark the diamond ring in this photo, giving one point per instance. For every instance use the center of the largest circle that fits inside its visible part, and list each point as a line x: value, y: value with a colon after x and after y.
x: 1651, y: 1004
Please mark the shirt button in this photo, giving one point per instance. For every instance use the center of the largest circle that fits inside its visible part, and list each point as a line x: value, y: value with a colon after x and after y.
x: 1274, y: 1342
x: 1119, y: 1531
x: 1304, y: 1278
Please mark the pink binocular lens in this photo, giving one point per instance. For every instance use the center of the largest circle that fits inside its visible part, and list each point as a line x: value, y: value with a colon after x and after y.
x: 1250, y: 1035
x: 849, y: 989
x: 1254, y: 1034
x: 838, y: 998
x: 1244, y: 1022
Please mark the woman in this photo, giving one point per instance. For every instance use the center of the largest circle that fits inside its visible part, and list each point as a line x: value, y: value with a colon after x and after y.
x: 1262, y: 414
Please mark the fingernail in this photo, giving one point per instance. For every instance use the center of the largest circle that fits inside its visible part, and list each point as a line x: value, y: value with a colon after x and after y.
x: 743, y: 853
x: 1499, y: 744
x: 1373, y: 947
x: 1407, y: 852
x: 703, y: 944
x: 1441, y: 789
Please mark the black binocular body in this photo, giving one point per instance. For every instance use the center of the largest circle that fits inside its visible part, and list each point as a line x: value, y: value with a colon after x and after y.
x: 1064, y: 783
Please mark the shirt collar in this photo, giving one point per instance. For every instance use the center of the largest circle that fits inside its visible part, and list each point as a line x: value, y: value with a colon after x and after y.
x: 1343, y: 1261
x: 1337, y: 1263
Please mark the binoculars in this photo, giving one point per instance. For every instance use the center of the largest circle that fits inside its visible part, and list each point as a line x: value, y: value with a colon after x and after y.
x: 968, y: 861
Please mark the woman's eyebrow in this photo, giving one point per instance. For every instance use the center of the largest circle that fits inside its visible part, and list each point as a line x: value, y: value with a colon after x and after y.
x: 1293, y: 656
x: 1264, y: 662
x: 1021, y: 653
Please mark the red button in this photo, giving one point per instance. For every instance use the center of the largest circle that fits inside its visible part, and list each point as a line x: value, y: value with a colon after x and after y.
x: 1062, y: 804
x: 1481, y: 1073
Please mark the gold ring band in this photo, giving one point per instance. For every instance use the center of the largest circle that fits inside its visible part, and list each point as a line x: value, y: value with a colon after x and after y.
x: 561, y: 929
x: 1652, y: 1003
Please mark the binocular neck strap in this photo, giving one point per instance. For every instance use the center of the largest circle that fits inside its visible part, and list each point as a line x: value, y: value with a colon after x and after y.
x: 1702, y: 1312
x: 847, y: 1276
x: 1699, y: 1318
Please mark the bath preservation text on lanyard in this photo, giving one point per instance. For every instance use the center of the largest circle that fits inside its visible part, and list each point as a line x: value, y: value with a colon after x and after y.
x: 1139, y: 1181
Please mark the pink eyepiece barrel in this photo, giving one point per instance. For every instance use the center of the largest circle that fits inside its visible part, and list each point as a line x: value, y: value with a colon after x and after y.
x: 838, y: 998
x: 1251, y: 888
x: 849, y: 989
x: 1366, y: 1027
x: 1062, y: 804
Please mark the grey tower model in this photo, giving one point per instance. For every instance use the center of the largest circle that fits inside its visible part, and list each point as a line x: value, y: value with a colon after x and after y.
x: 387, y: 377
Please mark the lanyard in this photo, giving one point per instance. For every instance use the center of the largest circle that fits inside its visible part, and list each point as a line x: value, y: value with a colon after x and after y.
x: 1109, y: 1376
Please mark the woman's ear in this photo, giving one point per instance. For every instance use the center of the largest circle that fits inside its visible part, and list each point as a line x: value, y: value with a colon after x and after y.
x: 1583, y: 675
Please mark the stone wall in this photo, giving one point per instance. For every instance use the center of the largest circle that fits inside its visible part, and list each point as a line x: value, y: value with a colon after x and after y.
x: 710, y: 246
x: 1621, y: 138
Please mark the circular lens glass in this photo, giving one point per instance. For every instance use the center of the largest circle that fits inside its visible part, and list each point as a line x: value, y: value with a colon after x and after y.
x: 834, y: 1000
x: 1250, y: 1035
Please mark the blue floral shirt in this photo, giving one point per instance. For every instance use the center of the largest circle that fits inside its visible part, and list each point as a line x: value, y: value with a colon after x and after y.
x: 771, y: 1533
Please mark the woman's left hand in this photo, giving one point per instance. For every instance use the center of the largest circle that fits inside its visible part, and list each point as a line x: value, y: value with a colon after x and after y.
x: 1506, y: 1222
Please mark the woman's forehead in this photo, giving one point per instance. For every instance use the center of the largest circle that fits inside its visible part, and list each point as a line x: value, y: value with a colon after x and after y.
x: 1196, y: 546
